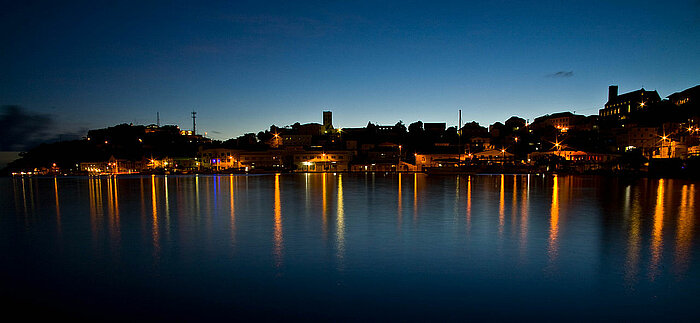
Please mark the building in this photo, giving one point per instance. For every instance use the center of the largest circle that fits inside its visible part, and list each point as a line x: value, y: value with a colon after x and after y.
x: 619, y: 107
x: 563, y: 121
x: 480, y: 144
x: 327, y: 126
x: 574, y: 156
x: 322, y: 161
x: 434, y: 160
x: 218, y: 158
x: 296, y: 140
x: 267, y: 160
x: 493, y: 156
x: 644, y: 138
x: 691, y: 95
x: 112, y: 166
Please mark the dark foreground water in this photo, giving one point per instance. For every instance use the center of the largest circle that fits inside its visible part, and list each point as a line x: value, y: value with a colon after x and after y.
x: 344, y: 246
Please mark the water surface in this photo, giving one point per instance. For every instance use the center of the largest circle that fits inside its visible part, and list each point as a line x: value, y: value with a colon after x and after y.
x: 347, y: 246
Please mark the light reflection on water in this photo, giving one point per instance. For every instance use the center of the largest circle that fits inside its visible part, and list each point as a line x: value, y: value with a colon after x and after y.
x: 542, y: 238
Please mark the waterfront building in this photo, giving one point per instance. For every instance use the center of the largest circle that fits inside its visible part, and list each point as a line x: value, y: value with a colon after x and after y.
x: 493, y: 156
x: 112, y: 166
x: 574, y: 156
x: 263, y: 160
x: 218, y: 158
x: 433, y: 160
x: 322, y: 161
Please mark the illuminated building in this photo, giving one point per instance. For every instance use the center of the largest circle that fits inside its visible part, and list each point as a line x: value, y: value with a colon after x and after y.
x: 563, y: 121
x: 112, y: 166
x: 619, y: 107
x: 574, y: 156
x: 686, y: 96
x: 433, y: 160
x: 218, y: 158
x: 497, y: 156
x: 224, y: 158
x: 322, y: 161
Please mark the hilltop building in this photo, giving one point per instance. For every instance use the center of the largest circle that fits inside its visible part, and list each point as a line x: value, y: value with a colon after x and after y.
x: 686, y: 96
x: 563, y: 121
x: 327, y: 122
x: 620, y: 106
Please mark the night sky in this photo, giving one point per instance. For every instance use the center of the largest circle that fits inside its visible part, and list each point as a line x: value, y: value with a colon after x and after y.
x: 246, y: 65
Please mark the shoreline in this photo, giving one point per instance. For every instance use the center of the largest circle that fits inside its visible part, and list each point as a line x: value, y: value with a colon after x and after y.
x: 622, y: 175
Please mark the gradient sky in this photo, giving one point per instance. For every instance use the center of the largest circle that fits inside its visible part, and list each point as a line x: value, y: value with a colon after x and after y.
x: 246, y: 65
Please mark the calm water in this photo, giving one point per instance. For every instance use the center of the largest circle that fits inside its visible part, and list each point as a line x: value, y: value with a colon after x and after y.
x: 409, y: 247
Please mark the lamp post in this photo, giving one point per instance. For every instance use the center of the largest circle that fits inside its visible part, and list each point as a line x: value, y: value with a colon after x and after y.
x: 663, y: 147
x: 399, y: 163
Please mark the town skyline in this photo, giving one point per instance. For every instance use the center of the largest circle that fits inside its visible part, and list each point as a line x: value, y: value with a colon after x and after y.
x: 186, y: 122
x: 91, y: 66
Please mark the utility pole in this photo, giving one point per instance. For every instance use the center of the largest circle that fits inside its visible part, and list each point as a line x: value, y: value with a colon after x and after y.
x: 194, y: 122
x: 158, y: 119
x: 459, y: 135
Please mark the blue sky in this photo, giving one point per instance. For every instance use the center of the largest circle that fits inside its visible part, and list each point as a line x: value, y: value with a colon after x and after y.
x: 246, y: 65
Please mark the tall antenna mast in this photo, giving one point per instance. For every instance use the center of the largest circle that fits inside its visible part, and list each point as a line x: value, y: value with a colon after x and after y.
x: 194, y: 122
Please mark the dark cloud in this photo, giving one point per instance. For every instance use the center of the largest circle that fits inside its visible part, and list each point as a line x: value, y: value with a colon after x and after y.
x: 21, y: 130
x: 561, y: 74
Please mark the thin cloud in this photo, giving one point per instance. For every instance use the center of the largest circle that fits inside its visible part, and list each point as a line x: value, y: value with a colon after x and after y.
x: 561, y: 74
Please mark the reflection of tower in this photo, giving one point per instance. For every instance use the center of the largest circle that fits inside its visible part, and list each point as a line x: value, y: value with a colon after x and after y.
x: 327, y: 121
x: 194, y: 122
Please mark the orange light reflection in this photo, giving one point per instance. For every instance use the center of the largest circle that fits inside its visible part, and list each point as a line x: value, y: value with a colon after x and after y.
x: 657, y: 234
x: 278, y: 243
x: 554, y: 222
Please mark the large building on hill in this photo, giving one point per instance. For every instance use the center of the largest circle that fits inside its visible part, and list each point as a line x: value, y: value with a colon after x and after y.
x: 563, y: 121
x: 620, y: 106
x: 691, y: 95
